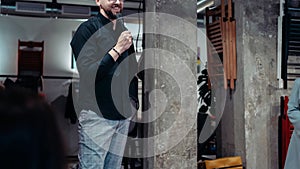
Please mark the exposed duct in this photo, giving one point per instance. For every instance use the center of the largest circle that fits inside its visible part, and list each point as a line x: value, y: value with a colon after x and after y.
x: 78, y: 2
x: 132, y: 5
x: 30, y: 7
x: 76, y: 10
x: 36, y: 0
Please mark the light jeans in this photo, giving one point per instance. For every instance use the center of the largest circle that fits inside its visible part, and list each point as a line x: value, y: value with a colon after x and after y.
x: 101, y: 141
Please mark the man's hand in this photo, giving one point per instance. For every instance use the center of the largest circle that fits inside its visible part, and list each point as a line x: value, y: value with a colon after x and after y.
x: 124, y: 42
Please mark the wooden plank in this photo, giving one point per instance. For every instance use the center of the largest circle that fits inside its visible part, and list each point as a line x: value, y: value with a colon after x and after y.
x: 295, y: 48
x: 225, y: 162
x: 224, y: 48
x: 211, y: 28
x: 230, y: 38
x: 214, y: 31
x: 213, y: 12
x: 294, y: 25
x: 217, y: 51
x: 31, y: 44
x: 224, y: 37
x: 294, y: 34
x: 217, y: 48
x: 217, y: 22
x: 294, y: 44
x: 293, y: 38
x: 231, y: 55
x: 217, y: 43
x: 222, y: 9
x: 215, y: 36
x: 216, y: 40
x: 229, y: 9
x: 228, y: 75
x: 234, y: 49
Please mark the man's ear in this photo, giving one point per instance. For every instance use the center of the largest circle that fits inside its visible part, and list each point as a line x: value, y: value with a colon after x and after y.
x: 98, y: 2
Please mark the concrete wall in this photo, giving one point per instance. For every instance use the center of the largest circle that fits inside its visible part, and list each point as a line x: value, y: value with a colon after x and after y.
x: 249, y: 126
x: 175, y: 47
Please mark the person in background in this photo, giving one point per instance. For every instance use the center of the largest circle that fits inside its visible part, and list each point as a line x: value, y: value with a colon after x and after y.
x: 29, y: 135
x: 103, y: 50
x: 293, y: 155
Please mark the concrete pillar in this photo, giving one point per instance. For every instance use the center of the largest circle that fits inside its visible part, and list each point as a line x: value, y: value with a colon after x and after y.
x: 249, y: 126
x: 170, y: 49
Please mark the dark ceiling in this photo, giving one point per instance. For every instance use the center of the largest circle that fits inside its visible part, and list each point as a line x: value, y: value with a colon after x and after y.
x: 76, y: 9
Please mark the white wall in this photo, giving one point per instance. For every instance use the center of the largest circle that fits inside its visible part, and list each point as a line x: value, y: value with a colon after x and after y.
x: 56, y: 34
x: 201, y: 42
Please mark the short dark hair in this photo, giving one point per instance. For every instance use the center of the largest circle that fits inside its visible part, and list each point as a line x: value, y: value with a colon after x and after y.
x: 29, y: 135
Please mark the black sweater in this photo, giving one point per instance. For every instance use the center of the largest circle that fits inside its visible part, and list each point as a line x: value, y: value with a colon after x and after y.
x: 107, y: 87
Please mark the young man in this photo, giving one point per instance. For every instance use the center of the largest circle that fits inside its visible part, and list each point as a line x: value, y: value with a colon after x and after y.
x: 293, y: 155
x: 108, y: 88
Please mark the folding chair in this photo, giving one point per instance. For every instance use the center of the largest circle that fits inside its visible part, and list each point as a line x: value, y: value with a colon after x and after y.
x: 30, y: 64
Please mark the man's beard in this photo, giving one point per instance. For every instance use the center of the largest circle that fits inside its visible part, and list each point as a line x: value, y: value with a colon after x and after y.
x: 111, y: 15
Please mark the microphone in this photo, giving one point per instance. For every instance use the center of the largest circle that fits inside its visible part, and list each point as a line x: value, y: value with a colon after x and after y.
x: 121, y: 19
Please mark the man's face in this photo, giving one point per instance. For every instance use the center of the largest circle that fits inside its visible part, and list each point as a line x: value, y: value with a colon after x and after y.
x: 110, y: 8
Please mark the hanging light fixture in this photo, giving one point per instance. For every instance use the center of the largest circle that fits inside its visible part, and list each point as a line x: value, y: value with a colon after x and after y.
x: 202, y: 4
